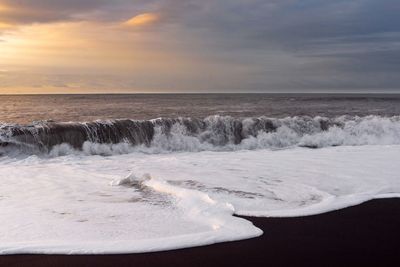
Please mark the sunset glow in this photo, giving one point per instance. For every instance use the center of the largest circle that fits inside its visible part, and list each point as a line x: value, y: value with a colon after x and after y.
x: 221, y: 46
x: 5, y: 25
x: 138, y: 131
x: 142, y: 19
x: 4, y: 8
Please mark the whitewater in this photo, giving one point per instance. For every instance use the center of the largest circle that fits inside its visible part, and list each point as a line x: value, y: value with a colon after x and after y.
x: 128, y: 186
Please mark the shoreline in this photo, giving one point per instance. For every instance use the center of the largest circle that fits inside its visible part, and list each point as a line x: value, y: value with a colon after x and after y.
x: 363, y: 235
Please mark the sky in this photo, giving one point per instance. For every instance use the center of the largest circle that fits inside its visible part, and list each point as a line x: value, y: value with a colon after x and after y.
x: 151, y: 46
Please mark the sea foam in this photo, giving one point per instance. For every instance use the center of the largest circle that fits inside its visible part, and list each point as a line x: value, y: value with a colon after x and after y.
x: 214, y: 133
x: 138, y: 202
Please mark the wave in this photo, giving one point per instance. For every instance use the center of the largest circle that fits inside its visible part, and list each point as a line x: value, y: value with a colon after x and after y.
x: 187, y: 200
x: 214, y: 133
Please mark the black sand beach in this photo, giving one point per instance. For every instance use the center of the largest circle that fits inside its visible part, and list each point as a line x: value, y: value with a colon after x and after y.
x: 364, y: 235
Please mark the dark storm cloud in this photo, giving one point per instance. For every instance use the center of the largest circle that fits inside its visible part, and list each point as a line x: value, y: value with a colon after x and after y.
x: 343, y: 44
x: 287, y: 23
x: 300, y: 44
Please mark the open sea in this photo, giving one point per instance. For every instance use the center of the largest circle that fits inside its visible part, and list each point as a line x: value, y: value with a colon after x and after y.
x: 28, y: 108
x: 137, y: 173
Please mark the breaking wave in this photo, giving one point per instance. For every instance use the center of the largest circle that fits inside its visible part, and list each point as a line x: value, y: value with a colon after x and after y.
x: 214, y: 133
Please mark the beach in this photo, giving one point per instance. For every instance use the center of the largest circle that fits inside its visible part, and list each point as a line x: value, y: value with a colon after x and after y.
x: 199, y: 133
x: 363, y: 235
x: 211, y: 189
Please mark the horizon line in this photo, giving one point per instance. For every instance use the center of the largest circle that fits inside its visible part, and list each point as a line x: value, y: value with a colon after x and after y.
x: 206, y: 93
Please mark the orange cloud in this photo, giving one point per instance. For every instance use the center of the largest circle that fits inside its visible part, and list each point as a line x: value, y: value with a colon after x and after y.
x: 5, y: 26
x: 3, y: 8
x: 143, y: 19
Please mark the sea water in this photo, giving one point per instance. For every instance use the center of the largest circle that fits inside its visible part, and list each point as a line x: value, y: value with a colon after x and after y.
x: 103, y: 181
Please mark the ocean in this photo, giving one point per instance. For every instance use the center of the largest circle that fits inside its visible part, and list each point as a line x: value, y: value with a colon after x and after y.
x: 138, y: 173
x: 61, y: 108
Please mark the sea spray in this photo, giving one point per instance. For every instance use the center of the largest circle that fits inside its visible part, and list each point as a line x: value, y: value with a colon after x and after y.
x: 214, y: 133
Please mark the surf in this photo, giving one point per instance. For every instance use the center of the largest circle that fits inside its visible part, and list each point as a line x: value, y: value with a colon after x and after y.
x: 213, y: 133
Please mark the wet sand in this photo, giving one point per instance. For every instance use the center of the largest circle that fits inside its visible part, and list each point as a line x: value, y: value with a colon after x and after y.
x: 364, y: 235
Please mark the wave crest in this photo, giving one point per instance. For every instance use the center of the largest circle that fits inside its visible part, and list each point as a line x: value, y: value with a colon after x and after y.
x: 214, y: 133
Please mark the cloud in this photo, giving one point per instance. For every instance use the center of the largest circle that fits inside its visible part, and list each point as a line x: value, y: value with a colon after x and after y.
x: 40, y: 11
x: 5, y: 26
x: 142, y: 20
x: 265, y: 44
